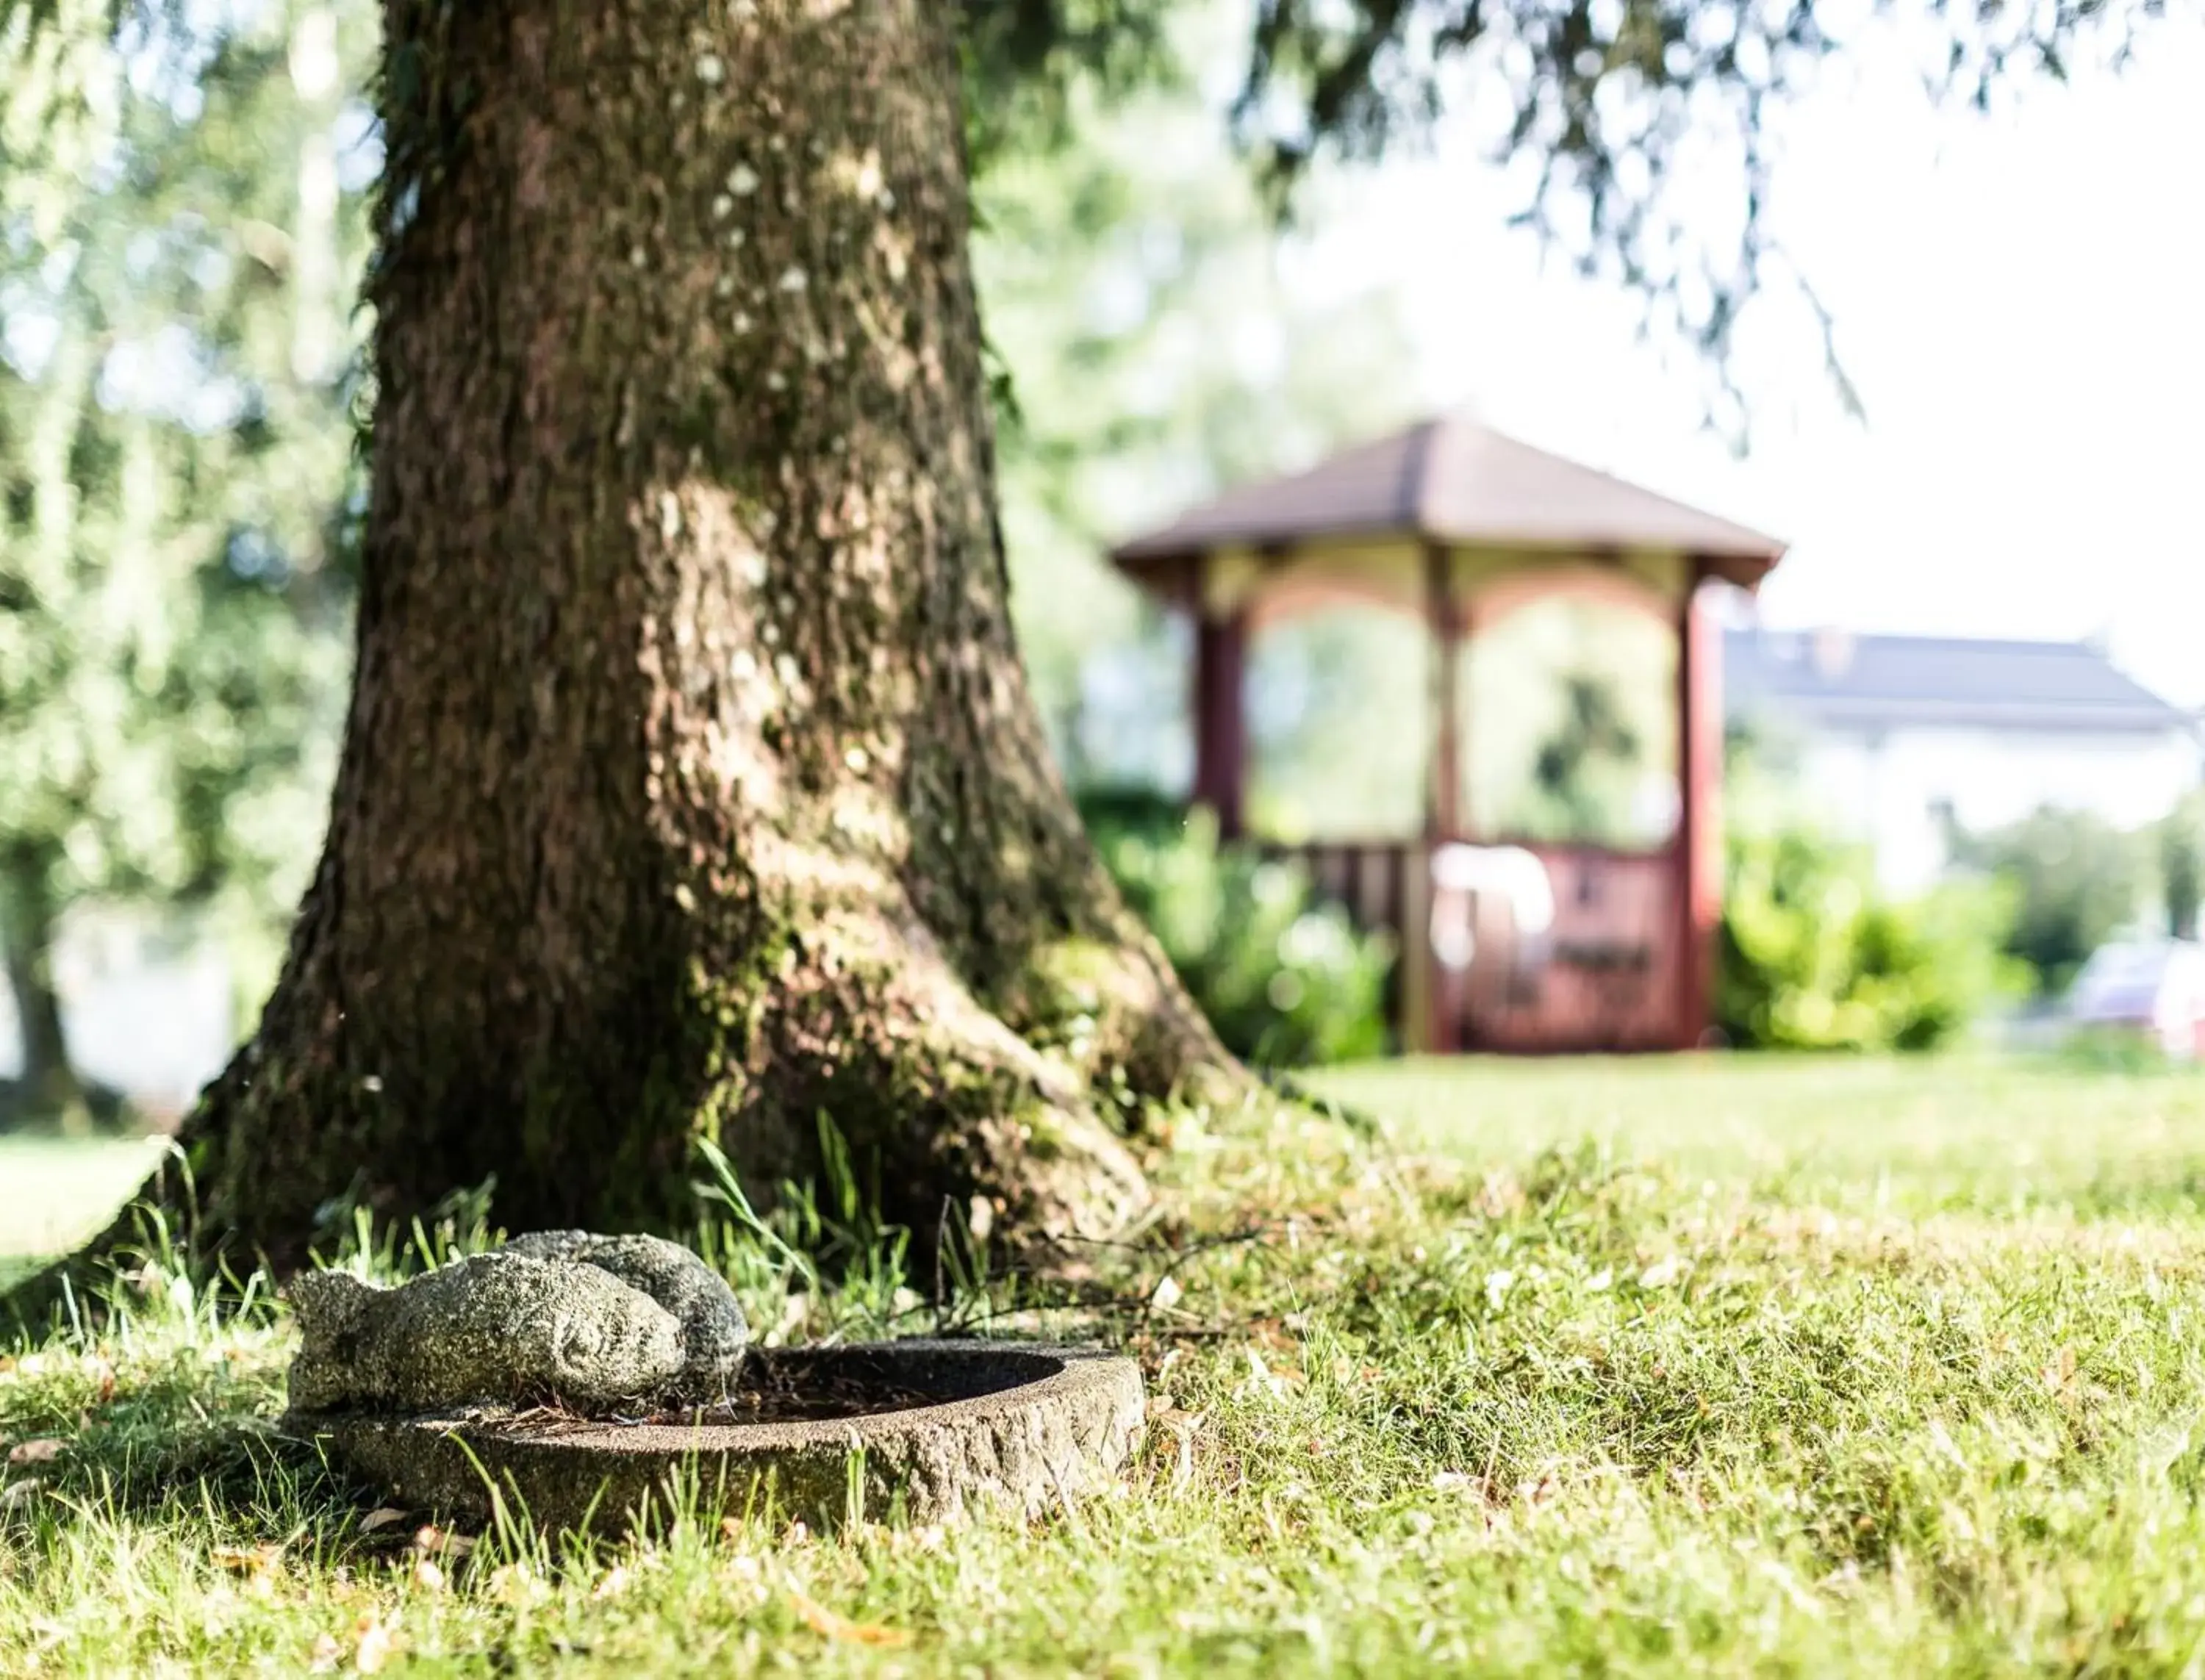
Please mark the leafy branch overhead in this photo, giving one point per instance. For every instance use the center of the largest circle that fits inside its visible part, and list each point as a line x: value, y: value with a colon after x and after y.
x: 1614, y: 105
x: 1611, y: 107
x: 178, y: 256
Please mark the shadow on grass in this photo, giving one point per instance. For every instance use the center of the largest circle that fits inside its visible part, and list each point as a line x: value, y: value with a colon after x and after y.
x: 176, y: 1440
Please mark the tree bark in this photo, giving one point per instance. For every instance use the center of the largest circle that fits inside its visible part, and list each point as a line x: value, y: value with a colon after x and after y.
x: 48, y: 1086
x: 691, y: 785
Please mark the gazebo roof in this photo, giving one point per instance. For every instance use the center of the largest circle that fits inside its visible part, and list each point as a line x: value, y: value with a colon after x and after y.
x: 1453, y: 481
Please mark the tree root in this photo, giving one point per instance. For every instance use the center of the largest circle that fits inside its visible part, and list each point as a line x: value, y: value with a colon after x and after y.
x: 937, y: 1100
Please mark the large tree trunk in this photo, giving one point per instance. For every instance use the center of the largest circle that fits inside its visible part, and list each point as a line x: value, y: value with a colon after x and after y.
x: 691, y: 786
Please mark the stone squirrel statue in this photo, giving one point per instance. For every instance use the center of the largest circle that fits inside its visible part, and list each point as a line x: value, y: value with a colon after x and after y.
x: 591, y: 1321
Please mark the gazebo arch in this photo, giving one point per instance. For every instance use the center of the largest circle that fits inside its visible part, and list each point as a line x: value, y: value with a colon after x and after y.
x: 1461, y: 524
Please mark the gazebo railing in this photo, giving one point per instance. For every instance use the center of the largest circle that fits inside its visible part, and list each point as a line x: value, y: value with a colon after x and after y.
x: 1602, y: 977
x: 1380, y: 884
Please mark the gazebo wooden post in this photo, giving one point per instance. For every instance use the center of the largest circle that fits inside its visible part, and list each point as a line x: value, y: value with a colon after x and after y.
x: 1221, y: 729
x: 1443, y: 792
x: 1699, y: 844
x: 1443, y: 613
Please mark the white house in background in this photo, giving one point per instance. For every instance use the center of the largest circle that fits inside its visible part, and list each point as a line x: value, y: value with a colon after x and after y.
x: 1896, y: 734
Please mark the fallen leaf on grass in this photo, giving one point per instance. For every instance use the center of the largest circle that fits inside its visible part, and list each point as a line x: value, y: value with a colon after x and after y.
x: 19, y: 1492
x: 1263, y: 1378
x: 248, y: 1560
x: 615, y: 1584
x: 1540, y: 1491
x: 102, y: 1382
x: 821, y: 1620
x: 1270, y: 1333
x: 428, y: 1576
x: 2060, y: 1374
x: 254, y: 1562
x: 1183, y: 1425
x: 434, y: 1541
x: 746, y: 1566
x: 512, y: 1583
x: 382, y: 1518
x: 325, y: 1654
x: 1167, y: 1294
x: 376, y: 1644
x: 42, y: 1451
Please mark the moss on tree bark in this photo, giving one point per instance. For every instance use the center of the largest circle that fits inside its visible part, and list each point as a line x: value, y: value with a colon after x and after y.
x: 691, y: 784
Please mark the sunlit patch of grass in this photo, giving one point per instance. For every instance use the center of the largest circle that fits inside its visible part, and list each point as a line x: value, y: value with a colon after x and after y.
x: 56, y: 1190
x: 1720, y: 1367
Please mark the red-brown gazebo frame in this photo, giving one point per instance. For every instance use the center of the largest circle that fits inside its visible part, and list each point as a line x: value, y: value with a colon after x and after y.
x: 1455, y: 522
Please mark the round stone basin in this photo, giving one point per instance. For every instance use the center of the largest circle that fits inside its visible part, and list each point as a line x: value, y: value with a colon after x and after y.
x: 923, y: 1429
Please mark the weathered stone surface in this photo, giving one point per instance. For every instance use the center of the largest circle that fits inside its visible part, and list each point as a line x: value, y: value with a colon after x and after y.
x: 713, y: 1332
x: 502, y: 1328
x: 1022, y: 1427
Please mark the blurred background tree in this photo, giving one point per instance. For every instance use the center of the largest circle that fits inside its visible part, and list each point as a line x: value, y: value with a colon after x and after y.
x: 1164, y: 338
x: 176, y: 393
x: 2078, y: 882
x: 1594, y: 735
x: 2182, y: 865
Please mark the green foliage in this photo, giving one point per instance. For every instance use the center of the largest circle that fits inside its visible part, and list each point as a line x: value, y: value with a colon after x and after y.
x: 1285, y: 980
x: 1163, y: 346
x: 1624, y: 118
x: 1593, y: 729
x: 2182, y: 865
x: 175, y: 456
x: 1814, y: 957
x: 1602, y: 105
x: 2077, y: 882
x: 1025, y: 61
x: 1609, y: 109
x: 1565, y: 716
x: 58, y: 105
x: 1575, y: 769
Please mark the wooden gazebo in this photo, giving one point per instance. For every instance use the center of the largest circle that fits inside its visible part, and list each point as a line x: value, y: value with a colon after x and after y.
x: 1452, y: 520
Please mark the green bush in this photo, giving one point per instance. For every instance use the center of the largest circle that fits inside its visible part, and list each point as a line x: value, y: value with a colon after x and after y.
x: 1814, y: 957
x: 1286, y: 981
x: 2182, y: 865
x: 2077, y: 881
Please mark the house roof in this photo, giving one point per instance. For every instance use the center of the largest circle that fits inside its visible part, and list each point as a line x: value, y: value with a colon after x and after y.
x: 1837, y: 681
x: 1450, y: 479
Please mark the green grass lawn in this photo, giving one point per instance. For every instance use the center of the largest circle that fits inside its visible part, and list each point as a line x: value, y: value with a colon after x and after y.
x: 1717, y: 1366
x: 55, y: 1192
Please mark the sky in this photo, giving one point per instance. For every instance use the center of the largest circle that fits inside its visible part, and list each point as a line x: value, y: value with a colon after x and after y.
x: 2019, y: 297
